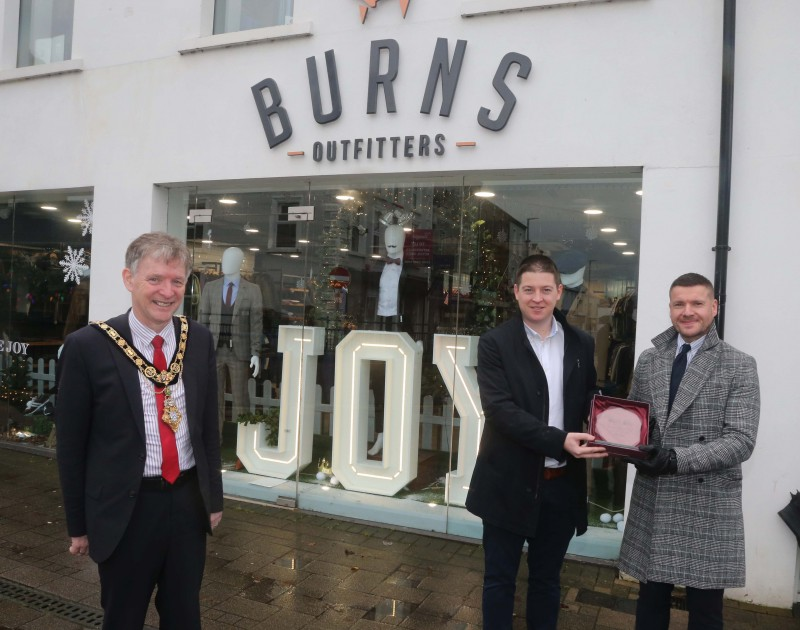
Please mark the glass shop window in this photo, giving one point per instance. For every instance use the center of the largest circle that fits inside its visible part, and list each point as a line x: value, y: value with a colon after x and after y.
x: 45, y: 259
x: 242, y: 15
x: 45, y: 32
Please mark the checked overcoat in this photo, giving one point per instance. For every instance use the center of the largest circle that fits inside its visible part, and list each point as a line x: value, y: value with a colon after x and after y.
x: 687, y: 528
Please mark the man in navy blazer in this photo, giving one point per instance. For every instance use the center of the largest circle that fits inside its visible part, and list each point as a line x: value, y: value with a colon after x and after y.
x: 536, y: 377
x: 138, y: 445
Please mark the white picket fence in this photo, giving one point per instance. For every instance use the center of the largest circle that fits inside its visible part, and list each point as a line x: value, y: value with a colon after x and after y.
x: 434, y: 429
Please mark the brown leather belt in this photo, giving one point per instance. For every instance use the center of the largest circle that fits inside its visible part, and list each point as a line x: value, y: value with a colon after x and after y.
x: 554, y: 473
x: 160, y: 484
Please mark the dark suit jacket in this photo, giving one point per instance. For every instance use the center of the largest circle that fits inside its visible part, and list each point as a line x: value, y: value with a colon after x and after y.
x: 100, y: 429
x: 504, y: 490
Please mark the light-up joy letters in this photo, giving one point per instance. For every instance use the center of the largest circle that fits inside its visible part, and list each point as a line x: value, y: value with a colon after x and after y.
x: 455, y: 356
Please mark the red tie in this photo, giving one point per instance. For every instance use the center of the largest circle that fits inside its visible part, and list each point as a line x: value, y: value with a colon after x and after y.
x: 170, y: 468
x: 229, y: 295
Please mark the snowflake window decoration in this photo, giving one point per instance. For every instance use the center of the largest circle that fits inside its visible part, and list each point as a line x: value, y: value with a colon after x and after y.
x: 73, y: 264
x: 87, y: 217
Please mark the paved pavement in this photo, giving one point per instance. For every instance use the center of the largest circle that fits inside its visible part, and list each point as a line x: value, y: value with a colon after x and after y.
x: 282, y: 569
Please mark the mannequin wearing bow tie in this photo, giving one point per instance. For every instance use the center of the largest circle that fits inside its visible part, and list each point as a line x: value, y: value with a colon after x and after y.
x: 388, y: 296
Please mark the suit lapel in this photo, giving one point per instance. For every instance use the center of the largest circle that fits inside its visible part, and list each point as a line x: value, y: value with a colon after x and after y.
x: 698, y: 372
x: 189, y: 384
x: 128, y: 374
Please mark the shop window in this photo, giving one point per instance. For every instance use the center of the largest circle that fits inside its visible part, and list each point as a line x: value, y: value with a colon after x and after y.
x: 45, y: 32
x: 242, y: 15
x: 378, y: 273
x: 45, y: 259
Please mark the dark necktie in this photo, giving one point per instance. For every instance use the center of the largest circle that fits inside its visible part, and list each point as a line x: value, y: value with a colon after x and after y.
x: 229, y: 295
x: 678, y: 370
x: 170, y: 468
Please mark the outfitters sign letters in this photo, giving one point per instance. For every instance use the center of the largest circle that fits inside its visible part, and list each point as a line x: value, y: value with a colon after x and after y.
x: 444, y: 73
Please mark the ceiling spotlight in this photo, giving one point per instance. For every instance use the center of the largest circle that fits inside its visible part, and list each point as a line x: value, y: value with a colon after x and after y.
x: 344, y: 249
x: 609, y: 230
x: 227, y: 201
x: 294, y: 255
x: 207, y: 241
x: 253, y: 249
x: 639, y: 192
x: 628, y: 253
x: 51, y: 208
x: 250, y: 229
x: 345, y: 197
x: 75, y: 220
x: 486, y: 194
x: 592, y: 211
x: 619, y: 243
x: 304, y: 241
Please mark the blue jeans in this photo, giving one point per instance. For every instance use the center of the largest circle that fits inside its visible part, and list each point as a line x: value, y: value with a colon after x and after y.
x: 546, y: 550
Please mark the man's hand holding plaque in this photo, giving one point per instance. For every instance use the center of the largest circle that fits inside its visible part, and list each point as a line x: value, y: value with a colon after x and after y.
x: 620, y: 425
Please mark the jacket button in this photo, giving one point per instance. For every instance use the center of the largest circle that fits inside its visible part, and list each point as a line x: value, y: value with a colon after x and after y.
x: 701, y: 438
x: 538, y: 392
x: 700, y: 480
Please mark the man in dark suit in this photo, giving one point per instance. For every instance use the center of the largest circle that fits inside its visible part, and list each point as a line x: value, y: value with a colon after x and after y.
x: 138, y: 444
x: 536, y: 377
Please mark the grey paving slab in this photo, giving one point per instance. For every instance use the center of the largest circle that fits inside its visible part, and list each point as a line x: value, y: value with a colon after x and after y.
x: 280, y: 569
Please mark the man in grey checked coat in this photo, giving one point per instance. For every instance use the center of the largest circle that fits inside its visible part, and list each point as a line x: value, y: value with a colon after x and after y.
x: 684, y: 524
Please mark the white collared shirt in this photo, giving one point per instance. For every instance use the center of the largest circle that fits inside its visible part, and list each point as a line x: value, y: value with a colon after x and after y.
x: 550, y: 352
x: 695, y: 346
x: 142, y: 338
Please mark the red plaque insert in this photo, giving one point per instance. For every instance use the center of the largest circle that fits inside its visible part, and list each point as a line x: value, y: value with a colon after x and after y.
x: 619, y: 424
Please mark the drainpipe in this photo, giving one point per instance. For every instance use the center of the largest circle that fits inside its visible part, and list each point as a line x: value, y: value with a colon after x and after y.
x: 722, y: 247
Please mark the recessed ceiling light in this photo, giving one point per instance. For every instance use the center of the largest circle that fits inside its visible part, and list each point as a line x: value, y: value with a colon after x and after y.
x: 51, y: 208
x: 304, y: 241
x: 207, y: 241
x: 75, y: 220
x: 406, y: 229
x: 609, y: 230
x: 228, y: 202
x: 639, y: 192
x: 619, y: 243
x: 344, y: 249
x: 486, y: 194
x: 345, y: 197
x: 592, y: 211
x: 294, y: 255
x: 628, y: 253
x: 250, y: 229
x: 376, y: 256
x: 253, y: 249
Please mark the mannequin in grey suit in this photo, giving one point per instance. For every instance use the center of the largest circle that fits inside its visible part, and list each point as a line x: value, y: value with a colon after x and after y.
x: 232, y: 309
x: 685, y: 524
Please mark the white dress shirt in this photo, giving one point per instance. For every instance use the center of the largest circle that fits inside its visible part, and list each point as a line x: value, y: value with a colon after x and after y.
x: 143, y: 342
x: 550, y: 352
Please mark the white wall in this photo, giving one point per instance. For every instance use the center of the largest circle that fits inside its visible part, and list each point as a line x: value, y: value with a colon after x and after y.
x: 624, y: 83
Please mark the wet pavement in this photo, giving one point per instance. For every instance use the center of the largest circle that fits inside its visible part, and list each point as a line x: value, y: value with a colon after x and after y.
x: 281, y: 569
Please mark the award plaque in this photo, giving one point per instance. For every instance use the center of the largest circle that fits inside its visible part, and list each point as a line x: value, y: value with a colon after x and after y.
x: 620, y: 425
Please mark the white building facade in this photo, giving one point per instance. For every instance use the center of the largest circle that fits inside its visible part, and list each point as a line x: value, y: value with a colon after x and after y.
x: 310, y: 134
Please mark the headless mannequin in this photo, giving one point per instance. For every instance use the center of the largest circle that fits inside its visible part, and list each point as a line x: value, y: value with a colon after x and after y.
x: 232, y: 259
x: 394, y: 238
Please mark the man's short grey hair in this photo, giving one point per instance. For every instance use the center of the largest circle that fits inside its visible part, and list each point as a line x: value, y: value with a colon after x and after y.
x: 159, y: 246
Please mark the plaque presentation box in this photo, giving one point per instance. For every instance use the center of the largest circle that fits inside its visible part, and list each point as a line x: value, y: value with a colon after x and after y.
x: 620, y: 425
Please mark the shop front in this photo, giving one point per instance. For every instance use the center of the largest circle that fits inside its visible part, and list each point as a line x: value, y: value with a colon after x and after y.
x: 370, y: 174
